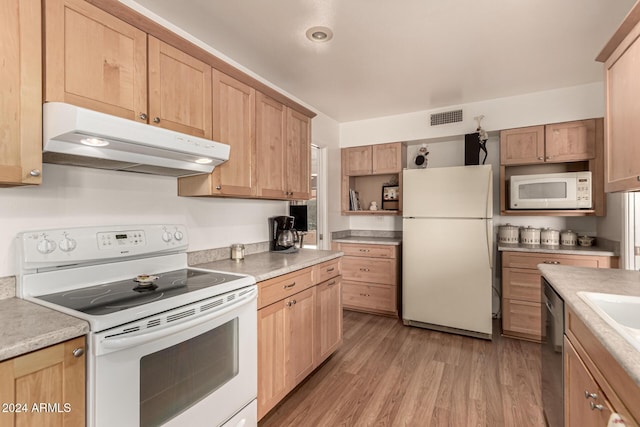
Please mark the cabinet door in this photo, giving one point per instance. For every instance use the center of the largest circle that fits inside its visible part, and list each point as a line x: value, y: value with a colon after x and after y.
x: 180, y: 95
x: 522, y: 318
x: 328, y: 329
x: 357, y: 160
x: 622, y: 79
x: 52, y: 375
x: 273, y: 347
x: 298, y: 162
x: 270, y: 147
x: 579, y: 384
x: 300, y: 358
x: 234, y: 106
x: 94, y: 60
x: 570, y: 141
x: 21, y: 89
x: 387, y: 158
x: 522, y: 146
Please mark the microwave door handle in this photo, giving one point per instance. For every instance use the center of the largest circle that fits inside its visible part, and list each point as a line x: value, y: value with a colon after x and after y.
x: 132, y: 340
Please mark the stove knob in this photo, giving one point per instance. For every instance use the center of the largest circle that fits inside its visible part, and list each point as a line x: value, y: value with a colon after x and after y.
x: 67, y: 244
x: 46, y: 246
x: 178, y: 235
x: 167, y: 237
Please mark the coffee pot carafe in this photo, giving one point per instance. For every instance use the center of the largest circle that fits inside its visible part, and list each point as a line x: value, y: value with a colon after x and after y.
x: 283, y: 235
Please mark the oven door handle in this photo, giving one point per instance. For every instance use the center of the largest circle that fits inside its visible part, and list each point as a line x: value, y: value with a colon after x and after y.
x: 134, y: 339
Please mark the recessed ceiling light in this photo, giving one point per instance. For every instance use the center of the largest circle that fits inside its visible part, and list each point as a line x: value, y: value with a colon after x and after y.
x: 319, y: 34
x: 94, y: 142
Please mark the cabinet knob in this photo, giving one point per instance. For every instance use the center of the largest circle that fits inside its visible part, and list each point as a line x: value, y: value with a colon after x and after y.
x: 594, y: 407
x: 156, y: 120
x: 331, y: 283
x: 35, y: 172
x: 78, y: 352
x: 588, y: 395
x: 143, y: 116
x: 540, y: 158
x: 549, y: 157
x: 218, y: 187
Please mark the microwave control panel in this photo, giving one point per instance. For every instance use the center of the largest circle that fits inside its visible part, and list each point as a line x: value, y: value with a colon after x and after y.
x: 583, y: 192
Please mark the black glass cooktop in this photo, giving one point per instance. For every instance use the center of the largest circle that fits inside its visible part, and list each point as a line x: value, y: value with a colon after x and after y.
x: 116, y: 296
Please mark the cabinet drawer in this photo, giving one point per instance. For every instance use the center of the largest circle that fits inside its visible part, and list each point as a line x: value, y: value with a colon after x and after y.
x: 372, y: 251
x: 531, y: 260
x: 521, y: 284
x: 522, y: 319
x: 327, y: 270
x: 371, y: 270
x: 369, y: 297
x: 272, y: 290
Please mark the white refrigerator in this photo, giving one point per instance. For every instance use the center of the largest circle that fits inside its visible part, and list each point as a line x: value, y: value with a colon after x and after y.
x: 447, y: 247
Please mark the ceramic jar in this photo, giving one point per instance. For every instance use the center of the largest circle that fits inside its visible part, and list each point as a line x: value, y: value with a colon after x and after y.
x: 508, y: 234
x: 530, y: 236
x: 585, y: 240
x: 568, y: 238
x: 237, y: 252
x: 550, y: 237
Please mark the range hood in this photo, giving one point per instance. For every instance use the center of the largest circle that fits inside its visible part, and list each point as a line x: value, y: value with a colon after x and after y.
x: 81, y: 137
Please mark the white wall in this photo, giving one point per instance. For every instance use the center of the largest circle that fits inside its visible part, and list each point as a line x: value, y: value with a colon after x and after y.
x: 75, y: 196
x: 610, y: 226
x: 446, y: 142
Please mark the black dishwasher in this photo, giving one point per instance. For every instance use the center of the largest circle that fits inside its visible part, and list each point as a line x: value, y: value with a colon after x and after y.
x: 552, y: 360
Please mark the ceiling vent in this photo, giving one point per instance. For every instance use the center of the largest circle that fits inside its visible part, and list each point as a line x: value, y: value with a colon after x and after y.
x: 446, y: 117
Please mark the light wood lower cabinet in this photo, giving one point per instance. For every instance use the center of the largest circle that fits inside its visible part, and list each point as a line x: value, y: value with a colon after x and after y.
x: 370, y: 275
x: 299, y: 326
x: 521, y: 290
x: 53, y: 377
x: 595, y: 385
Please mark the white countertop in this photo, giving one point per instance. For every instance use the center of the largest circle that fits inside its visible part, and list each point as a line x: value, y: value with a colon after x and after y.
x: 567, y: 281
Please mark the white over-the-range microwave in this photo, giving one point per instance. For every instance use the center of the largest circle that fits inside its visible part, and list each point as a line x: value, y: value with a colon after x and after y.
x: 569, y: 190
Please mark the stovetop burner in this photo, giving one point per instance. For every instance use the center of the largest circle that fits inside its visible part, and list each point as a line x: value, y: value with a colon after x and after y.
x: 116, y: 296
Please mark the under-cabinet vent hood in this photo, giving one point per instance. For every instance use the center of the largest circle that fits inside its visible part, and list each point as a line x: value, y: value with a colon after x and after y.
x: 81, y: 137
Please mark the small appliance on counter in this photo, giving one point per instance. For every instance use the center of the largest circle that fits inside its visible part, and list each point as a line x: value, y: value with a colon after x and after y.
x: 283, y: 237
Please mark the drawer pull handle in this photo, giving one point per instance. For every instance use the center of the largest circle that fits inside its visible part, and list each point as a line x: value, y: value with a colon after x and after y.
x: 552, y: 262
x: 588, y: 395
x: 365, y: 295
x: 364, y: 269
x: 289, y: 286
x: 365, y: 250
x: 329, y: 270
x: 594, y: 406
x: 333, y: 282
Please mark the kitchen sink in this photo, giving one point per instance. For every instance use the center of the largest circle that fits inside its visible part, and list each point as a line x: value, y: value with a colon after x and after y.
x: 621, y: 312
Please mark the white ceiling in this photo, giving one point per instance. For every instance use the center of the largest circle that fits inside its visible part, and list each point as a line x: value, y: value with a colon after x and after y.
x: 393, y: 57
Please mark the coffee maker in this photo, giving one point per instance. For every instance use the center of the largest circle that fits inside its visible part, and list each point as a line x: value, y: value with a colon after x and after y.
x: 283, y: 236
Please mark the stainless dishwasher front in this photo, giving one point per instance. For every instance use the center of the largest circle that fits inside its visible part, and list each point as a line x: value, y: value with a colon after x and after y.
x: 552, y: 360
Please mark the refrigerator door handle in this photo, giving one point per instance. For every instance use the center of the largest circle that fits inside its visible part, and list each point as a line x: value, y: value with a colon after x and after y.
x: 490, y: 242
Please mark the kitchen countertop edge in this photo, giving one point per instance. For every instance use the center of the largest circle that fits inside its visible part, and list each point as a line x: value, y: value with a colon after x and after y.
x: 568, y: 281
x: 27, y: 327
x: 369, y: 240
x: 266, y: 265
x: 567, y: 250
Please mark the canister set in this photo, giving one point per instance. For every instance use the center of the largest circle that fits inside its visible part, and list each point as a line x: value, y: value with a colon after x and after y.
x: 535, y: 236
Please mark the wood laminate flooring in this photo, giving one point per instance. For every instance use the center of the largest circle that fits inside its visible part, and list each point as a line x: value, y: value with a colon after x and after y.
x: 388, y: 374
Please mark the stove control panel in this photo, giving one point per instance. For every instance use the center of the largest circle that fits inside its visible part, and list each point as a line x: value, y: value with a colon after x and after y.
x: 77, y: 245
x: 120, y: 239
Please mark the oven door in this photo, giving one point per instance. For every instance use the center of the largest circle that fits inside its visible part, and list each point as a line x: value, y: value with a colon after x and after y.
x: 195, y: 365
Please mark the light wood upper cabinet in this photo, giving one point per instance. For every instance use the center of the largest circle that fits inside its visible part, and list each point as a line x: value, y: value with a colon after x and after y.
x: 52, y: 375
x: 621, y: 59
x: 21, y: 89
x: 373, y: 159
x: 234, y: 124
x: 180, y: 96
x: 298, y: 164
x: 387, y: 158
x: 357, y: 160
x: 270, y: 147
x: 522, y: 146
x: 94, y: 60
x: 559, y: 142
x: 283, y: 151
